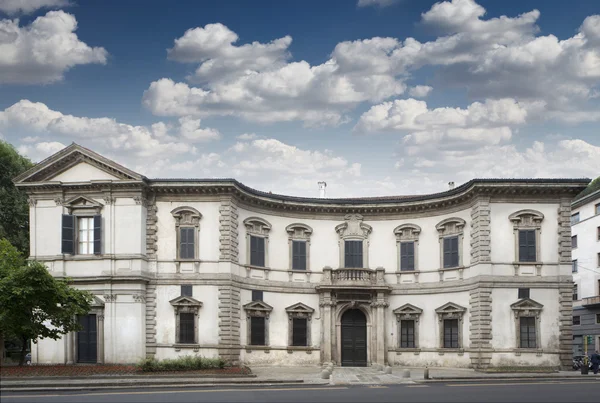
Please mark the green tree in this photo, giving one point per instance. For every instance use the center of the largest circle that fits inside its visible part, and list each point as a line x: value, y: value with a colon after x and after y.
x: 14, y: 210
x: 36, y: 305
x: 591, y: 188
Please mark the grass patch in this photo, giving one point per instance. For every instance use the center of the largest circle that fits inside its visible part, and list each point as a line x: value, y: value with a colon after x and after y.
x: 520, y: 369
x: 185, y: 363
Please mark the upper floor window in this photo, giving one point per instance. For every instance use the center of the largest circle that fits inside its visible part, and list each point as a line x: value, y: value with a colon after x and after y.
x: 574, y: 241
x: 597, y: 208
x: 187, y: 225
x: 451, y: 234
x: 574, y: 218
x: 299, y: 244
x: 523, y: 293
x: 574, y: 268
x: 354, y: 241
x: 257, y: 241
x: 598, y: 233
x: 575, y: 292
x: 527, y: 227
x: 407, y: 243
x: 82, y: 227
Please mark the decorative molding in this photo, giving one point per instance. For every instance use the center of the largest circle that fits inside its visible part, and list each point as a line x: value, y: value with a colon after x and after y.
x: 150, y: 320
x: 354, y: 229
x: 453, y: 226
x: 261, y: 310
x: 480, y: 319
x: 228, y: 231
x: 299, y: 311
x: 83, y: 205
x: 258, y: 227
x: 139, y: 298
x: 298, y: 232
x: 184, y: 304
x: 151, y: 227
x: 229, y: 323
x: 187, y: 217
x: 110, y: 297
x: 527, y: 308
x: 481, y: 231
x: 59, y: 201
x: 564, y: 231
x: 407, y: 233
x: 527, y: 220
x: 31, y: 201
x: 408, y: 312
x: 450, y: 310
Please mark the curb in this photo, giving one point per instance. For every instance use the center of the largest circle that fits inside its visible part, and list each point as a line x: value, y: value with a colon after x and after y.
x: 110, y: 377
x: 520, y: 378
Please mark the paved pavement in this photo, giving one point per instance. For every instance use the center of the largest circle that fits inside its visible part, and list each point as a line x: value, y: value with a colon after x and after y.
x: 532, y: 391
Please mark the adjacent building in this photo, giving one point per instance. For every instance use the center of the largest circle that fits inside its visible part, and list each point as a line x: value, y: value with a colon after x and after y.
x: 585, y: 236
x: 476, y: 276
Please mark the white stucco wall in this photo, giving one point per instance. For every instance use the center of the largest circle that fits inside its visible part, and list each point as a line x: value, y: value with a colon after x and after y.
x: 83, y: 172
x: 588, y: 248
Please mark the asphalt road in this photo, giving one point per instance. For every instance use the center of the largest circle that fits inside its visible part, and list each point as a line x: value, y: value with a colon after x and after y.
x: 546, y: 392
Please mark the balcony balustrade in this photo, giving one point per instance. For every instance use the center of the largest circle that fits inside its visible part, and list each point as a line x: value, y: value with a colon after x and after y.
x: 353, y: 277
x: 591, y: 301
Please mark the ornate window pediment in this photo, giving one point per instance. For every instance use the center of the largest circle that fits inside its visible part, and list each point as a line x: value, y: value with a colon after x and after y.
x: 450, y: 226
x: 408, y: 312
x: 258, y: 308
x: 299, y: 231
x: 97, y: 303
x: 83, y: 204
x: 186, y: 216
x: 450, y: 310
x: 299, y: 310
x: 407, y: 232
x: 186, y: 304
x: 526, y: 219
x: 353, y: 227
x: 257, y: 226
x: 527, y: 307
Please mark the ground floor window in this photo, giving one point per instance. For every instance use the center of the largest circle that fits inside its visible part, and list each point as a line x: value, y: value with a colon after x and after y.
x: 299, y: 331
x: 451, y: 333
x: 407, y: 334
x: 257, y: 331
x: 186, y: 328
x: 527, y: 329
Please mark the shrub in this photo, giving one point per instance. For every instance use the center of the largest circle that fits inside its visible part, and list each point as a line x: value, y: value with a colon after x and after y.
x: 185, y: 363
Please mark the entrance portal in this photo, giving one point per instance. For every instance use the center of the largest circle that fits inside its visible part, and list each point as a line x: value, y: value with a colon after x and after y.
x: 87, y: 340
x: 354, y: 339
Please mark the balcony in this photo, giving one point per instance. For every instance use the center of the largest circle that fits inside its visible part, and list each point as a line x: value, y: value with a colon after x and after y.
x: 591, y: 301
x: 352, y: 278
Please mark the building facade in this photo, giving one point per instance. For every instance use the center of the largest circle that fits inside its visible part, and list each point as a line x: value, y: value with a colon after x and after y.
x: 476, y: 276
x: 585, y: 236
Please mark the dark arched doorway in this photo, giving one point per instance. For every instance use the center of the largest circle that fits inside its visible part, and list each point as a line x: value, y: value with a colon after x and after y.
x: 354, y: 339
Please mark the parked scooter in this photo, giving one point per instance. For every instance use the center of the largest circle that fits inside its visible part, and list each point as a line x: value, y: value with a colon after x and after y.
x: 578, y: 362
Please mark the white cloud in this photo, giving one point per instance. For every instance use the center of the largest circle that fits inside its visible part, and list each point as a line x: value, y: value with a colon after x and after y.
x: 247, y: 136
x: 375, y: 3
x: 420, y: 91
x: 39, y: 151
x: 190, y: 129
x: 13, y: 7
x: 44, y: 50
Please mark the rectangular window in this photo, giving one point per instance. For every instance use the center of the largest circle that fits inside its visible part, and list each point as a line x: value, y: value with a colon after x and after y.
x: 407, y: 256
x: 257, y: 251
x: 527, y: 332
x: 575, y: 293
x: 574, y: 241
x: 577, y: 320
x: 597, y: 318
x: 186, y: 328
x: 298, y: 255
x: 186, y: 290
x: 575, y: 218
x: 574, y: 266
x: 299, y: 331
x: 598, y: 231
x: 527, y: 246
x: 451, y: 333
x: 186, y: 243
x: 597, y: 208
x: 451, y: 252
x: 257, y: 331
x: 257, y: 295
x: 85, y: 235
x: 407, y: 334
x: 599, y: 266
x: 523, y: 293
x: 353, y: 254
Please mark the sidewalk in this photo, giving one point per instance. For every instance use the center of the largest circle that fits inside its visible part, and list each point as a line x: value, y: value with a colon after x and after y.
x: 277, y: 376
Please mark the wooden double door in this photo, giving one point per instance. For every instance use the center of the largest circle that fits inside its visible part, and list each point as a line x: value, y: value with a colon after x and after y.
x: 354, y: 339
x: 87, y: 340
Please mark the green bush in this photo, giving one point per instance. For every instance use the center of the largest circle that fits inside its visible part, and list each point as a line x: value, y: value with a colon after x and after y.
x: 185, y: 363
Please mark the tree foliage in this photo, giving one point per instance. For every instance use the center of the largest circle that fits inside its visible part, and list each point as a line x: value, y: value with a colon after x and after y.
x: 34, y: 304
x: 591, y: 188
x: 14, y: 210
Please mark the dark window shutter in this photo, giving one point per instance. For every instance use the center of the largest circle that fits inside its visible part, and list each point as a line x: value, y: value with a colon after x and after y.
x: 257, y: 331
x: 447, y: 253
x: 257, y: 295
x: 298, y: 255
x: 451, y: 252
x: 97, y: 235
x: 527, y: 246
x: 407, y: 256
x: 186, y: 290
x: 523, y: 293
x: 257, y: 251
x: 186, y: 243
x: 68, y: 234
x: 353, y: 254
x: 527, y: 332
x: 451, y: 333
x: 299, y: 332
x: 407, y: 333
x: 186, y: 328
x: 454, y: 247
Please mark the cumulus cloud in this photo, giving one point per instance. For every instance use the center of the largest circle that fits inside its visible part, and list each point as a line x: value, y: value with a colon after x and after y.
x: 420, y: 91
x: 247, y: 136
x: 13, y: 7
x: 44, y: 50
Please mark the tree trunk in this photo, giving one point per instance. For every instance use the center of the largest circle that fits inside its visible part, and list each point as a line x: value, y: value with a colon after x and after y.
x: 1, y: 349
x: 23, y: 352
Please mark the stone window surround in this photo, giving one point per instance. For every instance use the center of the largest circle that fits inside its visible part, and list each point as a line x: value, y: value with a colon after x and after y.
x: 527, y: 220
x: 299, y: 232
x: 186, y: 216
x: 80, y: 207
x: 407, y: 233
x: 184, y: 304
x: 256, y: 226
x: 527, y: 308
x: 453, y: 226
x: 450, y: 310
x: 257, y: 309
x: 353, y: 229
x: 299, y: 310
x: 408, y: 312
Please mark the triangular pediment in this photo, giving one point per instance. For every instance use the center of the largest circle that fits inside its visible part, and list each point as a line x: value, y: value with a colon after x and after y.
x: 299, y: 308
x: 184, y: 301
x: 258, y: 306
x: 408, y: 309
x: 527, y: 304
x: 96, y: 302
x: 450, y: 307
x: 83, y: 202
x: 75, y: 164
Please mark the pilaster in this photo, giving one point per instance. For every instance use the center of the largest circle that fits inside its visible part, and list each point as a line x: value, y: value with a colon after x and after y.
x: 481, y: 231
x: 150, y: 320
x: 565, y: 325
x: 229, y: 324
x: 480, y: 327
x: 228, y: 230
x: 151, y: 227
x: 564, y: 231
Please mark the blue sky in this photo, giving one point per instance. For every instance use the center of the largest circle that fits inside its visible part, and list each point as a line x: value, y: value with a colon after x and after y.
x: 385, y: 97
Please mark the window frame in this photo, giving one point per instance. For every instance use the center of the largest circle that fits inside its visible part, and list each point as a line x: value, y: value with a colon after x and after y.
x: 522, y: 291
x: 574, y: 266
x: 404, y: 313
x: 450, y: 311
x: 573, y: 241
x: 527, y: 308
x: 351, y: 260
x: 576, y: 322
x: 257, y: 252
x: 187, y: 217
x: 185, y: 304
x: 299, y: 311
x: 454, y: 336
x: 82, y: 207
x: 529, y: 327
x: 527, y: 220
x: 90, y: 234
x: 451, y: 256
x: 257, y: 309
x: 353, y: 229
x: 575, y: 292
x: 407, y: 233
x: 597, y: 209
x: 407, y: 331
x: 449, y: 228
x: 575, y: 218
x: 298, y: 232
x: 260, y: 228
